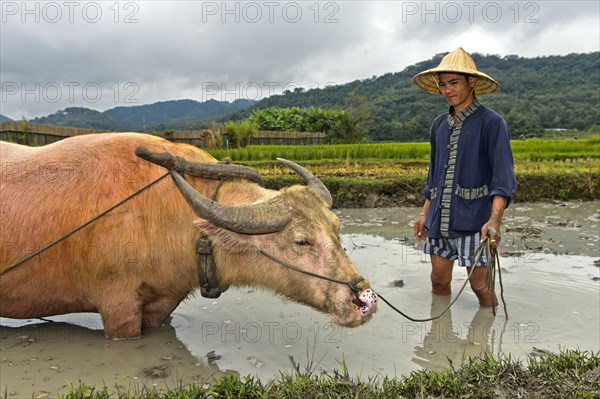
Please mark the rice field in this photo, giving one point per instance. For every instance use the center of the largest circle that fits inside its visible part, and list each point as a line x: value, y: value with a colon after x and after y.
x: 532, y: 150
x: 392, y: 159
x: 394, y: 173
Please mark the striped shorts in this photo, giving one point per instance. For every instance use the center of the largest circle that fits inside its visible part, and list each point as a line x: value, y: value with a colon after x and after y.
x: 461, y: 248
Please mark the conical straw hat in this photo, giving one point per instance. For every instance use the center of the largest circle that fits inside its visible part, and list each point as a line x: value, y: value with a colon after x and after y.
x: 458, y: 61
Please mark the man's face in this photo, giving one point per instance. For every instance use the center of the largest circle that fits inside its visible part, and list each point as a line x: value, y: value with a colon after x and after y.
x: 457, y: 89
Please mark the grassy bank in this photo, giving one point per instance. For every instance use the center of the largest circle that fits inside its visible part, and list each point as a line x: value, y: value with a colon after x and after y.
x: 392, y: 174
x: 356, y: 192
x: 569, y: 374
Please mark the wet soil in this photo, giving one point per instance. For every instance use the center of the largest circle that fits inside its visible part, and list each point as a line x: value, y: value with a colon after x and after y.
x: 42, y: 359
x: 551, y: 278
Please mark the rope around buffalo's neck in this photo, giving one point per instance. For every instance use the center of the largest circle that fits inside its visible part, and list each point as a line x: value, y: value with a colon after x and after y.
x: 353, y: 284
x: 75, y: 230
x: 492, y: 259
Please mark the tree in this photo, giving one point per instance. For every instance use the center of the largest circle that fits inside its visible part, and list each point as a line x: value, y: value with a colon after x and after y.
x: 25, y: 128
x: 351, y: 123
x: 345, y: 129
x: 240, y: 134
x: 360, y: 109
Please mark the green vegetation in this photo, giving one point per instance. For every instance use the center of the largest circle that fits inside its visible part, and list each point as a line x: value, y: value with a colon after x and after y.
x: 556, y: 150
x: 347, y: 125
x: 524, y: 150
x: 553, y: 92
x: 295, y: 119
x: 538, y: 97
x: 569, y: 374
x: 240, y: 133
x: 339, y: 152
x: 392, y: 174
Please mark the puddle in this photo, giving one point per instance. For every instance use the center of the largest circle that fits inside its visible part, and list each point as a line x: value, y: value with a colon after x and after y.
x: 552, y: 288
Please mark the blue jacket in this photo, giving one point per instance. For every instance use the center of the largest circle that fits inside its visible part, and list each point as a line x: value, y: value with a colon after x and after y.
x: 483, y: 168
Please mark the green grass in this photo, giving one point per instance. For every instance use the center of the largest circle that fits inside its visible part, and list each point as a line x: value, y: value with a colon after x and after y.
x: 339, y: 152
x: 568, y: 374
x: 392, y: 174
x: 524, y: 150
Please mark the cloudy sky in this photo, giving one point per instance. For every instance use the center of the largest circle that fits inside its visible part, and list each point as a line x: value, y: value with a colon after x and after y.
x: 103, y: 54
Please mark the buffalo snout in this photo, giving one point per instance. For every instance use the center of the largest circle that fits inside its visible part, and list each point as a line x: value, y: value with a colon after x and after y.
x: 366, y: 300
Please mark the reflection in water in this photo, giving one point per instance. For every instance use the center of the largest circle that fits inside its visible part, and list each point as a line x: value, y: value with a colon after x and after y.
x: 443, y: 345
x: 39, y: 360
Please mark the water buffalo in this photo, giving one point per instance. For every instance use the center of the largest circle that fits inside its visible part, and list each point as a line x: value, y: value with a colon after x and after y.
x: 138, y: 262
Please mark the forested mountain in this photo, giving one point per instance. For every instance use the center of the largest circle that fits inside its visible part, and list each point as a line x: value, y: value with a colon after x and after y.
x: 149, y: 116
x: 4, y: 118
x: 84, y: 118
x: 552, y: 92
x: 142, y: 117
x: 535, y: 94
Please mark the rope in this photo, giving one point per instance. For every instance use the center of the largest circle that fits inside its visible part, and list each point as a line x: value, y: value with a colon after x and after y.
x: 492, y: 260
x: 180, y: 168
x: 147, y: 186
x: 353, y: 284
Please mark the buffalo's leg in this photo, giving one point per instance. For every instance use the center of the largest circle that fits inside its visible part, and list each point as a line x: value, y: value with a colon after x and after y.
x: 155, y: 312
x: 121, y: 316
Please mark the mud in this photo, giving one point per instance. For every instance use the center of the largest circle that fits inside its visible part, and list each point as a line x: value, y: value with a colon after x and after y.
x: 42, y: 359
x: 551, y: 282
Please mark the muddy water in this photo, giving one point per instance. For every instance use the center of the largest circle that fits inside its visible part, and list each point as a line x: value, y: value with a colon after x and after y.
x: 552, y: 288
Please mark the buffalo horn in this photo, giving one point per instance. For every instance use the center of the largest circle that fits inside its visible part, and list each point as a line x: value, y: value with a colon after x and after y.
x: 201, y: 169
x: 310, y: 180
x: 261, y: 218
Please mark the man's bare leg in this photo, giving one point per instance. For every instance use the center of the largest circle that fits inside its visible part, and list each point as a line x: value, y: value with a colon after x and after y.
x: 487, y: 298
x: 441, y: 275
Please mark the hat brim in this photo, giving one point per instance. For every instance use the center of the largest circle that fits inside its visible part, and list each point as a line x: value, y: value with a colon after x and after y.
x: 429, y: 81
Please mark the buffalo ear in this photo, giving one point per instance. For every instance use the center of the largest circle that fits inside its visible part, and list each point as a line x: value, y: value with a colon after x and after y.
x: 228, y: 240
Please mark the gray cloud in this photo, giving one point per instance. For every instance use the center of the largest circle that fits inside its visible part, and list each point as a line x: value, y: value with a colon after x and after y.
x: 98, y: 55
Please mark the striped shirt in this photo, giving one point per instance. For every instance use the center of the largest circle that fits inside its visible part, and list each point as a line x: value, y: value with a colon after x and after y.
x: 455, y: 125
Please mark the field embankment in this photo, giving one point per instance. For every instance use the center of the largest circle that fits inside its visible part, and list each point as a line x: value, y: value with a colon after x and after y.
x: 393, y: 174
x: 568, y: 374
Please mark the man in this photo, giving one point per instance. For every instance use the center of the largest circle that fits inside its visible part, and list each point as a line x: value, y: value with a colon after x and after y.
x: 471, y: 178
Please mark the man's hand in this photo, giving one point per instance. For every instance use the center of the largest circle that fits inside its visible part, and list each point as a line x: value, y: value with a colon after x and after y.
x: 492, y: 227
x: 420, y: 233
